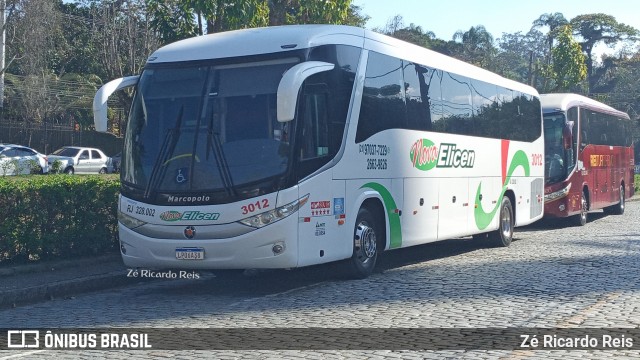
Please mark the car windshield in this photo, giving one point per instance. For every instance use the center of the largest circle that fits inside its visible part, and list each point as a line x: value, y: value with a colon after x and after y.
x: 70, y: 152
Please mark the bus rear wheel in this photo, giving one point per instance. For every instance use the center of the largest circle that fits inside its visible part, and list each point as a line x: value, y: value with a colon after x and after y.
x: 504, y: 235
x: 617, y: 209
x: 365, y: 251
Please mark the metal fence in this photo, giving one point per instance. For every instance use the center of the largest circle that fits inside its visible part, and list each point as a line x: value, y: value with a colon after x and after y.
x: 46, y: 138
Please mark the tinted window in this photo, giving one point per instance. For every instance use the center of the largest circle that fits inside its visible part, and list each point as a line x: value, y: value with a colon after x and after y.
x: 383, y: 105
x: 70, y: 152
x: 604, y: 129
x: 95, y: 154
x: 24, y: 152
x: 420, y: 87
x: 434, y: 100
x: 10, y: 153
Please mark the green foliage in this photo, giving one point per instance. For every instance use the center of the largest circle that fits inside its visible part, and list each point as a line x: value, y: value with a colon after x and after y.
x: 57, y: 216
x: 477, y: 46
x: 569, y: 66
x: 596, y: 28
x: 636, y: 185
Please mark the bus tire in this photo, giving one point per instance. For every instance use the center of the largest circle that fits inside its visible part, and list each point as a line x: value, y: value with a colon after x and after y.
x: 617, y: 209
x: 504, y: 235
x: 365, y: 252
x: 582, y: 218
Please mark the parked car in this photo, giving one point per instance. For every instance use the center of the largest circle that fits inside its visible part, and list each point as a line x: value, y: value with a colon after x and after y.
x: 81, y: 160
x: 18, y: 159
x: 117, y: 160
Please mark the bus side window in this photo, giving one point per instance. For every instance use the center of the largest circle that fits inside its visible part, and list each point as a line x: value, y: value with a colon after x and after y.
x: 315, y: 129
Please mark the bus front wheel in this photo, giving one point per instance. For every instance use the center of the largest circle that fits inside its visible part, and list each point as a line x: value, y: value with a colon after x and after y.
x: 504, y: 235
x: 581, y: 219
x: 365, y: 251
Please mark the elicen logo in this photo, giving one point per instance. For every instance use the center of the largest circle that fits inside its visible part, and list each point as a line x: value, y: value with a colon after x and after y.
x: 425, y: 155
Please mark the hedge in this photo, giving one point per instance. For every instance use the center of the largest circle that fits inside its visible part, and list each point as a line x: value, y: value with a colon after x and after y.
x: 61, y: 216
x: 57, y: 216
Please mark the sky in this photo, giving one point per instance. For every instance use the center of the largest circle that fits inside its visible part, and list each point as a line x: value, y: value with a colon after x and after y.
x: 445, y: 17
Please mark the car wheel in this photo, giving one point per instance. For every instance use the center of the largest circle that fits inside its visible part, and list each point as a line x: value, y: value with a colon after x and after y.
x: 69, y: 171
x: 103, y: 171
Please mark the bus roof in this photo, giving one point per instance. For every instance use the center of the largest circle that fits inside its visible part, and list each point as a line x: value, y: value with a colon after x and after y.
x: 564, y: 101
x: 289, y: 37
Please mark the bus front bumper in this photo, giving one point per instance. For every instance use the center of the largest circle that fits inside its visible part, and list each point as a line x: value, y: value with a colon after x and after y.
x: 271, y: 247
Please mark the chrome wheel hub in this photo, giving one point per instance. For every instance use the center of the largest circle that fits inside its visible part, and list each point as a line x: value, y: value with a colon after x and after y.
x: 365, y: 242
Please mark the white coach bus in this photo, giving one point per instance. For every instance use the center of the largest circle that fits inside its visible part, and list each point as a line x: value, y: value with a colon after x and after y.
x: 290, y: 146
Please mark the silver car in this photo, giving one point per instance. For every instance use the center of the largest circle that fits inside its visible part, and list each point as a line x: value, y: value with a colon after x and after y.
x: 17, y: 160
x: 81, y: 160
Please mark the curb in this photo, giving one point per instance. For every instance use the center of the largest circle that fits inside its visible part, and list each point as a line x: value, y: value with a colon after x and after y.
x: 62, y: 289
x: 108, y: 272
x: 60, y: 264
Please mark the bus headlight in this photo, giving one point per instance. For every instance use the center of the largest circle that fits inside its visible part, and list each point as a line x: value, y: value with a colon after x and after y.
x: 129, y: 221
x: 271, y: 216
x: 558, y: 194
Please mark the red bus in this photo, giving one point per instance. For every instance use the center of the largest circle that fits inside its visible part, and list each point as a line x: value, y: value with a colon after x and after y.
x: 588, y: 157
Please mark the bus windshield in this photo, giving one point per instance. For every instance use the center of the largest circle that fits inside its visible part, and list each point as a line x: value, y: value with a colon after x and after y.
x: 209, y: 129
x: 558, y: 160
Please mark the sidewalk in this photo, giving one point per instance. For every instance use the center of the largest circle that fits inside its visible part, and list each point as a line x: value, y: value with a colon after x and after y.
x: 58, y: 279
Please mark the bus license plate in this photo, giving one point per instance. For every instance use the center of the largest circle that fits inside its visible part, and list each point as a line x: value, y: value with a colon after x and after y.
x: 190, y: 253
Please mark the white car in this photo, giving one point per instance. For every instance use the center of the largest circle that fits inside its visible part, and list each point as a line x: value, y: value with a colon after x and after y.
x: 17, y: 160
x: 81, y: 160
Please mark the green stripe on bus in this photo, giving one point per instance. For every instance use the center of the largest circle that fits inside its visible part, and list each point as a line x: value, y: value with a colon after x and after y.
x: 395, y: 228
x: 483, y: 219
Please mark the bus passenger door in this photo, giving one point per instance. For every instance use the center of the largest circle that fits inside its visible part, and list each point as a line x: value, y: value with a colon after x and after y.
x: 420, y: 211
x: 454, y: 207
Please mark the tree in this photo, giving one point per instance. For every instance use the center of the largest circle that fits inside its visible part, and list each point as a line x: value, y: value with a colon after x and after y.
x: 597, y: 28
x: 37, y: 40
x: 554, y: 21
x: 477, y: 45
x: 413, y: 34
x: 179, y: 19
x: 519, y: 57
x: 569, y: 66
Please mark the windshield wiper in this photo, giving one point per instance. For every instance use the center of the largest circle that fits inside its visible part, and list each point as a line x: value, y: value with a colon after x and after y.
x: 167, y: 148
x: 213, y: 143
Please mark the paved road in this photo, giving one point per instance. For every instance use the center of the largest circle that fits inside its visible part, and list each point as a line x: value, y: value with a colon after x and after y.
x: 550, y: 277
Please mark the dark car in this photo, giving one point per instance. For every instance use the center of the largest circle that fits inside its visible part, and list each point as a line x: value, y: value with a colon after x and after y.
x: 116, y: 159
